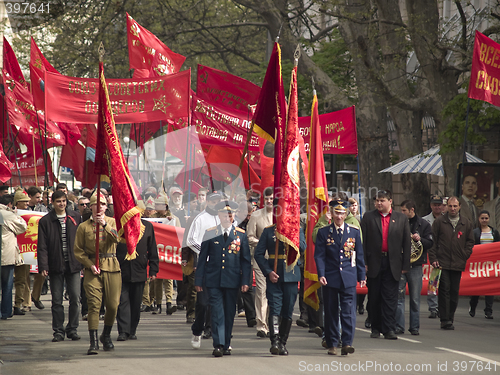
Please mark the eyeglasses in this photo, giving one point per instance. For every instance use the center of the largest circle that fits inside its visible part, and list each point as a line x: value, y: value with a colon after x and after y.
x: 84, y: 204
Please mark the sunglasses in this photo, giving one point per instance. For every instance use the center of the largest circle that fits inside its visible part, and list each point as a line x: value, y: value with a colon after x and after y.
x: 84, y: 204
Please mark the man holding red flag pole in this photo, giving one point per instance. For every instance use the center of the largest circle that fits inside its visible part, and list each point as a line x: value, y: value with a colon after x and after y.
x: 281, y: 269
x: 97, y: 238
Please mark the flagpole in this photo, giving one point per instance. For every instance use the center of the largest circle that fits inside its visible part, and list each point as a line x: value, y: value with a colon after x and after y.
x: 98, y: 203
x: 34, y: 160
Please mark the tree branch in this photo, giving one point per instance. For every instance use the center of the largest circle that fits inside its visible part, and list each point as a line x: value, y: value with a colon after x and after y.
x: 463, y: 19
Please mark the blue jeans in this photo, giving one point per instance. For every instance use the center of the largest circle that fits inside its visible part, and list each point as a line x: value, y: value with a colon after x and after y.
x: 414, y: 280
x: 73, y: 287
x: 7, y: 285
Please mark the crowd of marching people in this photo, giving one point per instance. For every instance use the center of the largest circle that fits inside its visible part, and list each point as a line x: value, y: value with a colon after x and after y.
x: 234, y: 264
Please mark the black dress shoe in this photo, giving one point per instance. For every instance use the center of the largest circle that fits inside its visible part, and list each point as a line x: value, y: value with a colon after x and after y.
x: 488, y: 315
x: 73, y: 336
x: 18, y: 311
x: 58, y: 338
x: 261, y: 333
x: 226, y: 352
x: 38, y: 304
x: 133, y: 336
x: 368, y: 323
x: 361, y: 310
x: 390, y: 336
x: 472, y: 311
x: 447, y: 325
x: 375, y: 334
x: 218, y: 352
x: 122, y: 337
x: 302, y: 323
x: 252, y: 323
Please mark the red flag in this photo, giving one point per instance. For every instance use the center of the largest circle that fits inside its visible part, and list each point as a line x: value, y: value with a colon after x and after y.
x: 11, y: 65
x: 74, y: 157
x: 5, y: 166
x: 142, y: 48
x: 484, y: 81
x: 229, y: 159
x: 38, y: 66
x: 109, y: 158
x: 225, y: 89
x: 317, y: 205
x: 288, y: 210
x: 271, y: 107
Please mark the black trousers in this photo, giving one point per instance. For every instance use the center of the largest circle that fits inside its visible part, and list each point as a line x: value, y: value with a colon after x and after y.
x: 129, y: 309
x: 449, y: 286
x: 203, y: 316
x: 383, y: 299
x: 488, y: 303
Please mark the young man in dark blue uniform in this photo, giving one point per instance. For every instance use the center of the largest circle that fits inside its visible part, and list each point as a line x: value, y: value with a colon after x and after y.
x: 281, y: 287
x: 223, y: 266
x: 340, y: 264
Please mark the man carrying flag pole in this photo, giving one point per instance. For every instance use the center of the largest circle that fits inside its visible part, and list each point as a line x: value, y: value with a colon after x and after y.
x: 97, y: 238
x: 285, y: 237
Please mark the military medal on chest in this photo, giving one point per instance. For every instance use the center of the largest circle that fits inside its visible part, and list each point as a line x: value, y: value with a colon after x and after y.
x: 349, y: 246
x: 235, y: 245
x: 330, y: 240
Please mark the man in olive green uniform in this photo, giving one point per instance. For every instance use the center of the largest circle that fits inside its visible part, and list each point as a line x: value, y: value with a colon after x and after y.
x: 105, y: 279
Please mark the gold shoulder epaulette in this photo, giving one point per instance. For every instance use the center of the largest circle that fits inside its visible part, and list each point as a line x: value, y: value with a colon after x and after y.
x: 213, y: 228
x: 238, y: 229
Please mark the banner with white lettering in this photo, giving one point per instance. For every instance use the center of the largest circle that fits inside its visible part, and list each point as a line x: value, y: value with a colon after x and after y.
x: 169, y: 244
x: 481, y: 276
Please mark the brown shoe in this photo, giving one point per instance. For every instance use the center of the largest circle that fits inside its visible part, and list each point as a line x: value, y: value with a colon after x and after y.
x: 347, y: 349
x: 332, y: 351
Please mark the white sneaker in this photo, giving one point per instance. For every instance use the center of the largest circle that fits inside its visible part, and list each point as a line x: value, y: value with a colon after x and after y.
x: 196, y: 342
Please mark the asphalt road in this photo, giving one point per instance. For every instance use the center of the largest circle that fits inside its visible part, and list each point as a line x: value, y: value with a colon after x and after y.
x: 163, y: 347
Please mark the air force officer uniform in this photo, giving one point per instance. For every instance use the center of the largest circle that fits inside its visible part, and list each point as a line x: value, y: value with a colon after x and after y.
x: 339, y: 261
x: 223, y: 266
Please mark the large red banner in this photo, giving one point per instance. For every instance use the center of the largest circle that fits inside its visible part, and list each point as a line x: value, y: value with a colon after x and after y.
x: 220, y: 126
x: 75, y: 100
x: 481, y: 276
x: 338, y: 131
x: 169, y: 244
x: 24, y: 165
x: 484, y: 81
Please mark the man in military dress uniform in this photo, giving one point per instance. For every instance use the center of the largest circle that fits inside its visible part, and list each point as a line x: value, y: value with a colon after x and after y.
x: 223, y: 265
x: 105, y: 279
x: 281, y: 287
x: 340, y: 265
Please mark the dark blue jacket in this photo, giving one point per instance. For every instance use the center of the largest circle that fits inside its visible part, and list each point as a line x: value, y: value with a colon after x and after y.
x: 335, y: 258
x: 223, y: 264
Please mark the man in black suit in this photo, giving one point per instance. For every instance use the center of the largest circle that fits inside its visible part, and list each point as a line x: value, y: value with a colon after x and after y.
x: 386, y: 243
